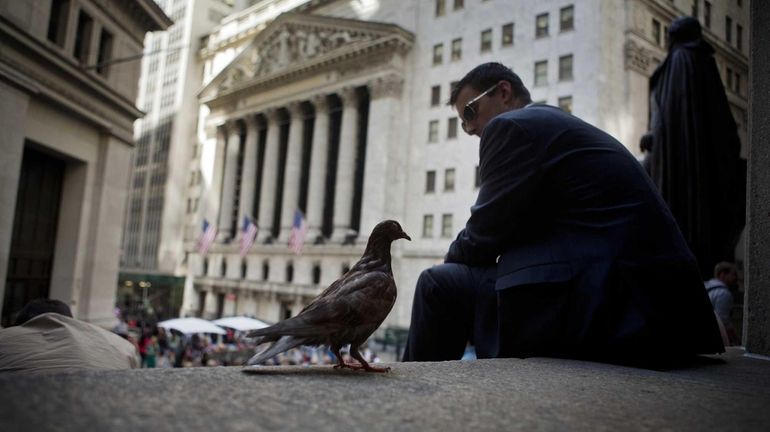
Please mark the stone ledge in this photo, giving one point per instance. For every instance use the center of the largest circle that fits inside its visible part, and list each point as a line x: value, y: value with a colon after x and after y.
x: 504, y: 394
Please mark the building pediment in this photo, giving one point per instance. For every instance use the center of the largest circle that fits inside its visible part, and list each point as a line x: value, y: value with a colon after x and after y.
x: 297, y: 45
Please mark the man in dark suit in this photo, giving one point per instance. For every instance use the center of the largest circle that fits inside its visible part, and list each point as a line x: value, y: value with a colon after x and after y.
x: 569, y: 250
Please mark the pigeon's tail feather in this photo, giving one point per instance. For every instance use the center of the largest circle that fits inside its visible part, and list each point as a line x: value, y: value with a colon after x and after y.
x: 285, y: 343
x: 299, y: 326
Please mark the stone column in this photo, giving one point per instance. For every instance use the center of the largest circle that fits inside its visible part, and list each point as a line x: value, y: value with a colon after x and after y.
x: 291, y: 179
x: 346, y: 165
x: 756, y: 308
x: 102, y: 256
x: 13, y: 107
x: 249, y: 173
x: 383, y: 163
x: 228, y: 181
x: 318, y: 159
x: 269, y: 177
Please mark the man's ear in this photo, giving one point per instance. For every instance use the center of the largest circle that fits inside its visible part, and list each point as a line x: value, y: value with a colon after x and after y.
x: 506, y: 91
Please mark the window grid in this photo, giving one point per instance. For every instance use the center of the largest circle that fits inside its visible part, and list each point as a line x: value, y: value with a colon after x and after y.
x: 451, y: 130
x: 565, y: 68
x: 435, y: 95
x: 567, y: 18
x: 427, y: 226
x: 433, y: 131
x: 457, y: 49
x: 440, y: 8
x: 438, y: 54
x: 541, y: 25
x: 446, y: 225
x: 507, y: 38
x: 486, y: 40
x: 449, y: 180
x: 430, y: 182
x: 541, y: 73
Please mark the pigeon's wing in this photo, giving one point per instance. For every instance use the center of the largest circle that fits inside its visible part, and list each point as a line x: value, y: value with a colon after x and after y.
x: 361, y: 299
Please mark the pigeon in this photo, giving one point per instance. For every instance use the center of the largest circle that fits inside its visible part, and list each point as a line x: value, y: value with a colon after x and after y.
x: 348, y: 311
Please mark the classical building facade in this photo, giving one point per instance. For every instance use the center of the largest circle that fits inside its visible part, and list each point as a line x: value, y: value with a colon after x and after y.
x: 67, y: 104
x: 152, y: 253
x: 339, y: 109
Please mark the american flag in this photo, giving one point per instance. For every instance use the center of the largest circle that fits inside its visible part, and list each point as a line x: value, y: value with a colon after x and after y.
x: 248, y: 234
x: 298, y: 232
x: 207, y: 237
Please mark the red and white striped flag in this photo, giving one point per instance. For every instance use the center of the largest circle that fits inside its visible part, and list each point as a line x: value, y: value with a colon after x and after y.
x: 207, y: 237
x: 248, y: 234
x: 298, y: 233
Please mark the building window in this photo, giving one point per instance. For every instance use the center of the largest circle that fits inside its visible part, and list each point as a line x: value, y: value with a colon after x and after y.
x: 438, y: 54
x: 83, y: 37
x: 737, y: 83
x: 729, y: 78
x: 433, y: 131
x: 728, y: 29
x: 739, y: 37
x: 427, y: 226
x: 459, y: 4
x: 435, y: 95
x: 707, y: 14
x: 565, y: 103
x: 289, y: 272
x: 57, y: 21
x: 449, y: 180
x: 244, y: 268
x: 205, y: 266
x: 316, y: 274
x: 105, y: 53
x: 430, y: 182
x: 656, y: 31
x: 486, y: 40
x: 451, y: 130
x: 565, y: 68
x: 477, y: 178
x: 223, y: 269
x: 567, y: 18
x: 507, y: 34
x: 446, y: 225
x: 440, y: 8
x: 541, y: 73
x: 265, y: 270
x: 541, y: 25
x: 457, y: 49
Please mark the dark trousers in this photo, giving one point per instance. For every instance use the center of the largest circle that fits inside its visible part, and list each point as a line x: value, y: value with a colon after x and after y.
x: 453, y: 305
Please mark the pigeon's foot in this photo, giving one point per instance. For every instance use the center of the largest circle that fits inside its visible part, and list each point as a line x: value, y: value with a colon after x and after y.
x: 365, y: 366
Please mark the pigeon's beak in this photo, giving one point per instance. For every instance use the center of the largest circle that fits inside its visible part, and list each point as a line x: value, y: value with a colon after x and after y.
x: 405, y: 236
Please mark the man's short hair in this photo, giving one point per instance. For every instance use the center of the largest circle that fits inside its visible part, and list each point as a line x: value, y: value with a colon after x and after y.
x: 724, y: 267
x: 40, y: 306
x: 485, y: 76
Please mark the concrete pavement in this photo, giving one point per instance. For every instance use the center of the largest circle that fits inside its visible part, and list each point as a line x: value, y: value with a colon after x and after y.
x: 505, y: 394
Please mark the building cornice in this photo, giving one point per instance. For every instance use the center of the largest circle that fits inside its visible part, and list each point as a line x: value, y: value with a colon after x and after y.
x: 64, y: 82
x: 330, y: 43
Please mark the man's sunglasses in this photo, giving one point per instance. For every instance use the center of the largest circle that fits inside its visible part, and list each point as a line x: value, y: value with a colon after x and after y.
x: 469, y: 112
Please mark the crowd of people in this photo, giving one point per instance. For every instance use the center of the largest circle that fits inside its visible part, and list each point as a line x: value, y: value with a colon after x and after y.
x: 161, y: 348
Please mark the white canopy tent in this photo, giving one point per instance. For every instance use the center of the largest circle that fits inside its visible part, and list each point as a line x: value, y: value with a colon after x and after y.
x: 241, y: 323
x: 191, y: 325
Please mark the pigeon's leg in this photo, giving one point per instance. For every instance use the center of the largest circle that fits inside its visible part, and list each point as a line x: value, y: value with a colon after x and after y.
x: 364, y: 365
x: 341, y: 363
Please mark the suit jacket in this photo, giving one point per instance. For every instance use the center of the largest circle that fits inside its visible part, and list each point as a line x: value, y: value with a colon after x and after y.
x: 590, y: 261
